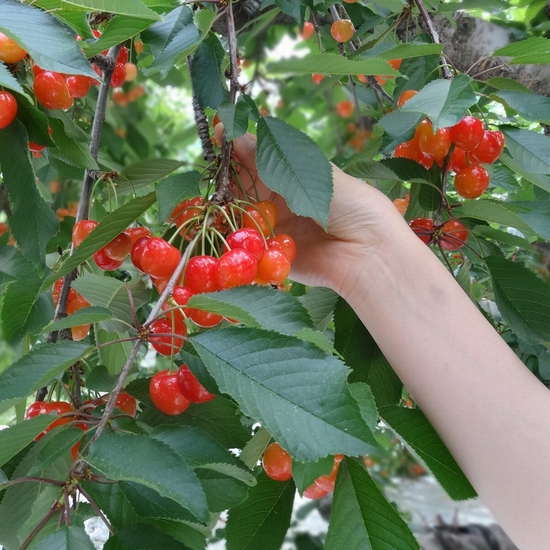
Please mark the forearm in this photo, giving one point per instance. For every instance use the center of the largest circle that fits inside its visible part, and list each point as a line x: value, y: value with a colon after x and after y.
x: 492, y: 413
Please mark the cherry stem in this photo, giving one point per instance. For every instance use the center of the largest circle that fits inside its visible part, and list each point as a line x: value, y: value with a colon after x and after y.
x: 43, y: 521
x: 32, y: 478
x: 96, y: 508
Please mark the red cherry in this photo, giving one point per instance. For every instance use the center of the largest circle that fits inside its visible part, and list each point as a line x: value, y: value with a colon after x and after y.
x: 277, y: 463
x: 326, y: 482
x: 423, y: 227
x: 489, y: 148
x: 235, y: 268
x: 122, y: 55
x: 410, y: 150
x: 57, y: 407
x: 105, y: 262
x: 472, y: 182
x: 249, y: 239
x: 307, y: 30
x: 262, y: 216
x: 405, y: 96
x: 159, y: 258
x: 171, y: 340
x: 204, y: 319
x: 285, y: 243
x: 78, y: 85
x: 56, y: 291
x: 119, y: 76
x: 51, y: 90
x: 345, y: 108
x: 136, y: 233
x: 137, y: 251
x: 80, y: 332
x: 315, y: 492
x: 166, y: 395
x: 77, y: 303
x: 119, y: 247
x: 468, y: 133
x: 8, y: 109
x: 436, y: 146
x: 191, y: 388
x: 454, y: 235
x: 274, y: 267
x: 201, y: 274
x: 10, y: 50
x: 459, y: 160
x: 317, y: 78
x: 342, y: 30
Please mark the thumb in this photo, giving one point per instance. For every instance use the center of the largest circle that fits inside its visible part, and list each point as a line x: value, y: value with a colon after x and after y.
x: 244, y: 146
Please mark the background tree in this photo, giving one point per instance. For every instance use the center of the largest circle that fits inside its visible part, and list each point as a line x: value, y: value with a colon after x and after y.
x: 126, y: 253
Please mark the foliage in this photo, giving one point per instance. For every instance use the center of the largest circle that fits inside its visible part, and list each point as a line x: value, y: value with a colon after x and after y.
x: 297, y: 367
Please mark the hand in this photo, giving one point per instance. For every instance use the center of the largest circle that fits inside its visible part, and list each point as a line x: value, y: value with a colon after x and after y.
x: 361, y: 219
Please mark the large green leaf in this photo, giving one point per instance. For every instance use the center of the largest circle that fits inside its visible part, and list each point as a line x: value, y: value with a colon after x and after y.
x: 530, y: 149
x: 444, y: 102
x: 73, y: 152
x: 319, y: 302
x: 128, y: 457
x: 411, y: 50
x: 69, y: 537
x: 51, y: 45
x: 332, y: 64
x: 530, y: 106
x: 85, y: 316
x: 257, y: 307
x: 145, y: 172
x: 522, y: 299
x: 32, y: 222
x: 413, y: 427
x: 108, y: 229
x: 534, y: 50
x: 36, y: 369
x: 262, y: 521
x: 173, y: 189
x: 292, y: 165
x: 396, y: 169
x: 304, y: 474
x: 234, y: 118
x: 361, y: 516
x: 134, y: 8
x: 294, y: 389
x: 398, y: 126
x: 25, y: 311
x: 7, y: 80
x: 16, y: 438
x: 360, y: 351
x: 142, y: 537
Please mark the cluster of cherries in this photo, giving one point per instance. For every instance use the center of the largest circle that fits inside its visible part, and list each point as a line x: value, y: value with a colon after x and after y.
x: 277, y: 465
x: 470, y: 145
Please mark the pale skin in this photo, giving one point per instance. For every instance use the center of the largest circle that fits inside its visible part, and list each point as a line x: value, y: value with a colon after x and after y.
x: 491, y: 412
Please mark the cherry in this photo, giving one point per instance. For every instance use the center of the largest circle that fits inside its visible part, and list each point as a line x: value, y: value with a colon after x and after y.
x: 468, y: 133
x: 122, y: 55
x: 345, y: 108
x: 410, y: 150
x: 75, y: 304
x: 395, y: 64
x: 138, y: 46
x: 235, y: 268
x: 131, y: 72
x: 471, y: 182
x: 137, y: 251
x: 402, y: 204
x: 159, y: 258
x: 201, y: 274
x: 136, y: 233
x: 51, y: 90
x: 459, y: 160
x: 454, y: 235
x: 262, y: 216
x: 274, y: 267
x: 434, y: 145
x: 56, y: 291
x: 285, y: 243
x: 8, y: 109
x: 489, y: 148
x: 119, y: 75
x: 405, y: 96
x: 171, y: 340
x: 204, y: 319
x: 78, y: 85
x: 166, y: 395
x: 315, y: 492
x: 119, y: 247
x: 191, y: 388
x: 124, y: 402
x: 423, y: 227
x: 307, y: 30
x: 277, y: 463
x: 10, y: 50
x: 105, y: 262
x: 342, y: 30
x: 249, y: 239
x: 57, y: 407
x: 326, y: 482
x: 317, y: 78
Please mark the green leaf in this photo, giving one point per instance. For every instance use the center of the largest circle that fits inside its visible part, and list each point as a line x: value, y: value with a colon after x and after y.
x: 134, y: 8
x: 444, y: 102
x: 174, y: 189
x: 37, y: 369
x: 32, y: 222
x: 537, y: 179
x: 13, y: 264
x: 281, y: 382
x: 534, y: 50
x: 85, y: 316
x: 171, y: 39
x: 234, y: 118
x: 68, y: 537
x: 55, y: 445
x: 144, y: 172
x: 142, y: 537
x: 50, y: 43
x: 257, y: 307
x: 361, y: 516
x: 108, y: 229
x: 255, y: 448
x: 363, y: 395
x: 501, y: 236
x: 530, y: 149
x: 7, y: 80
x: 411, y: 50
x: 530, y: 106
x: 415, y: 430
x: 128, y: 457
x: 319, y: 303
x: 113, y: 354
x: 332, y: 64
x: 522, y: 299
x: 25, y: 311
x: 399, y: 126
x: 536, y: 214
x: 292, y: 165
x: 359, y: 350
x: 207, y: 75
x: 73, y: 152
x: 495, y: 212
x: 16, y: 438
x: 262, y: 521
x: 396, y: 169
x: 304, y: 474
